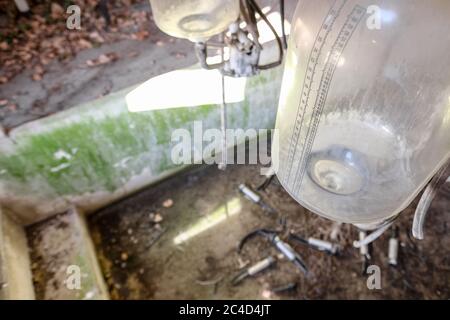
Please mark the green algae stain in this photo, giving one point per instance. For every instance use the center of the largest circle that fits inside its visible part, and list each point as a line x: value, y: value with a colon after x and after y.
x: 105, y: 152
x: 95, y: 150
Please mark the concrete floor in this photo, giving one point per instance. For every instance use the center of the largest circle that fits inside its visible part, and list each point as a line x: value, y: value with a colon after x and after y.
x: 150, y: 248
x: 197, y: 243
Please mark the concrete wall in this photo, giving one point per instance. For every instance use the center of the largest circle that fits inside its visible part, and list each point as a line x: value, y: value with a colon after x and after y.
x: 96, y: 153
x: 15, y: 271
x: 66, y: 266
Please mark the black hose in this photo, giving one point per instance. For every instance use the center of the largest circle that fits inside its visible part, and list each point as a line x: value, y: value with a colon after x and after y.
x: 283, y: 32
x: 249, y: 17
x: 255, y: 7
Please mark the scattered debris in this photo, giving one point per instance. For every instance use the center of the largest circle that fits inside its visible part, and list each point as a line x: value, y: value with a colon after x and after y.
x: 164, y: 270
x: 365, y: 252
x: 89, y: 295
x: 209, y: 282
x: 38, y: 73
x: 266, y: 294
x: 124, y: 256
x: 85, y: 44
x: 317, y: 244
x: 254, y: 269
x: 156, y: 232
x: 96, y: 37
x: 56, y: 11
x: 168, y: 203
x: 61, y: 154
x: 393, y: 247
x: 256, y: 198
x: 282, y: 246
x: 292, y: 286
x: 41, y: 36
x: 141, y: 35
x: 102, y: 59
x: 368, y: 238
x: 60, y: 167
x: 242, y: 263
x: 4, y: 46
x: 158, y: 218
x: 335, y: 231
x: 132, y: 54
x: 267, y: 181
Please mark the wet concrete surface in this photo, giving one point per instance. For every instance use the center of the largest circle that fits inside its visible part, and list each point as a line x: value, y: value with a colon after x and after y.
x: 178, y: 240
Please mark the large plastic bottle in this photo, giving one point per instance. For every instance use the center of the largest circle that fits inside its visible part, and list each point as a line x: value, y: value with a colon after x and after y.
x: 196, y: 20
x: 364, y: 114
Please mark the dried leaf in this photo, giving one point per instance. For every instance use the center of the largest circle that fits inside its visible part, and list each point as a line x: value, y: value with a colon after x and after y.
x: 35, y: 24
x: 44, y: 40
x: 102, y: 59
x: 180, y: 55
x: 26, y: 56
x: 12, y: 107
x: 38, y: 73
x: 4, y: 45
x: 95, y: 36
x: 56, y: 11
x: 141, y: 35
x: 168, y: 203
x: 37, y: 76
x: 158, y: 218
x: 85, y: 44
x: 39, y: 69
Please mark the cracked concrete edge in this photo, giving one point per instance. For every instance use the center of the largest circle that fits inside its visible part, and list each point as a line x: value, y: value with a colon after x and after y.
x: 15, y: 268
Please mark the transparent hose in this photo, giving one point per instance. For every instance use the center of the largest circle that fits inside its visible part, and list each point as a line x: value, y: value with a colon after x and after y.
x: 427, y: 197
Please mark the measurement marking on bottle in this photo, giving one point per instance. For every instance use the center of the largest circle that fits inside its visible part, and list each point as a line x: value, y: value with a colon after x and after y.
x: 313, y: 59
x: 337, y: 48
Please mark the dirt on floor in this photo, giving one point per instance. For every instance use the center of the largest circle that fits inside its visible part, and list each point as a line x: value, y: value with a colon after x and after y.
x: 178, y: 240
